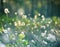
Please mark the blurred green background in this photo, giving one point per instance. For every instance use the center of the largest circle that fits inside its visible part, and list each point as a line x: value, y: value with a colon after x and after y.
x: 29, y: 23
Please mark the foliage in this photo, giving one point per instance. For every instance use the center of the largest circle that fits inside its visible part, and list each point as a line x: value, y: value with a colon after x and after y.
x: 26, y: 31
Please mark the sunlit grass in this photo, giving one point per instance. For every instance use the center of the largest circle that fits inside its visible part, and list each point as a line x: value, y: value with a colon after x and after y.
x: 20, y: 31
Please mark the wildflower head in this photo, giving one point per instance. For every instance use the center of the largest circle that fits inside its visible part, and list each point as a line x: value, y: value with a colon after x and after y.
x: 15, y: 13
x: 39, y: 14
x: 43, y: 18
x: 6, y: 10
x: 21, y: 11
x: 35, y: 17
x: 24, y: 16
x: 21, y: 35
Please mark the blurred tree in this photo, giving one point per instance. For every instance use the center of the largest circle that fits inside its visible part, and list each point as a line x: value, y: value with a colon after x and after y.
x: 49, y: 8
x: 56, y: 8
x: 1, y: 7
x: 52, y: 8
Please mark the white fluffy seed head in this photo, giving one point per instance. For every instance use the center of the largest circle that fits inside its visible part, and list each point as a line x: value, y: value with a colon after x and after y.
x: 51, y: 37
x: 6, y: 10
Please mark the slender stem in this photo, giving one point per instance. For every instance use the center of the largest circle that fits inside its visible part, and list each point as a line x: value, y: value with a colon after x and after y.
x: 7, y: 17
